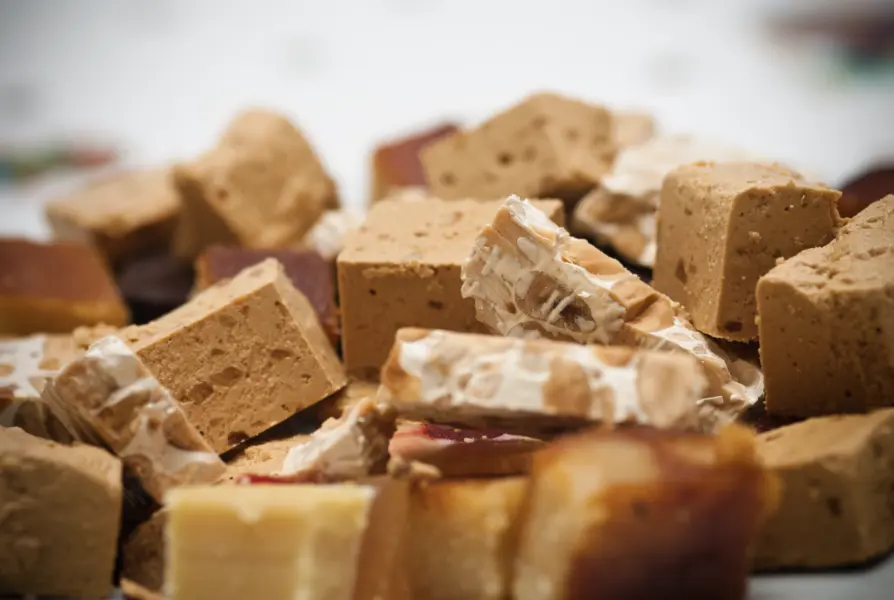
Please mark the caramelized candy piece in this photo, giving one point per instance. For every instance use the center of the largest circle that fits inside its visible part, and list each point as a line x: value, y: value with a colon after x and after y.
x: 109, y: 397
x: 864, y: 189
x: 396, y: 164
x: 261, y: 186
x: 724, y: 225
x: 154, y: 285
x: 54, y: 288
x: 837, y: 491
x: 142, y: 555
x: 528, y: 277
x: 621, y: 514
x: 538, y: 385
x: 61, y: 508
x: 827, y: 321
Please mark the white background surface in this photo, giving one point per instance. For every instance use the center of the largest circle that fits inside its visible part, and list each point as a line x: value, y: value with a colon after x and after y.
x: 162, y: 77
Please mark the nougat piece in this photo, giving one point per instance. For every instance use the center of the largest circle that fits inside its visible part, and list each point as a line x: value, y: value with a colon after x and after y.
x: 460, y: 539
x: 110, y: 397
x: 546, y: 146
x: 339, y: 403
x: 539, y: 385
x: 327, y: 236
x: 621, y: 212
x: 61, y: 509
x: 154, y: 285
x: 54, y: 288
x: 837, y: 477
x: 261, y: 186
x: 25, y: 366
x: 143, y: 553
x: 124, y: 215
x: 463, y: 452
x: 396, y: 165
x: 529, y: 277
x: 402, y: 269
x: 631, y: 127
x: 241, y: 356
x: 279, y: 542
x: 722, y: 226
x: 621, y: 514
x: 866, y: 187
x: 827, y: 321
x: 306, y: 269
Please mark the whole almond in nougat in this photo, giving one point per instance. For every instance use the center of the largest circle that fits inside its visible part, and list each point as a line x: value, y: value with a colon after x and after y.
x: 261, y: 186
x: 546, y: 146
x: 529, y: 278
x: 401, y: 268
x: 827, y: 321
x: 539, y: 385
x: 723, y: 225
x: 61, y: 508
x: 241, y: 356
x: 124, y: 215
x: 837, y: 491
x: 622, y: 514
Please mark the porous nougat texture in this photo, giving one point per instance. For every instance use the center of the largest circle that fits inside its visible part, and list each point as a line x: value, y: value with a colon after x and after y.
x: 547, y: 146
x: 261, y: 186
x: 401, y: 268
x: 461, y: 538
x: 621, y: 514
x: 241, y: 356
x: 109, y: 397
x: 54, y: 288
x: 124, y: 215
x: 837, y: 503
x: 529, y: 278
x: 621, y: 211
x: 539, y: 385
x: 61, y: 510
x: 827, y: 321
x: 723, y: 225
x: 396, y: 165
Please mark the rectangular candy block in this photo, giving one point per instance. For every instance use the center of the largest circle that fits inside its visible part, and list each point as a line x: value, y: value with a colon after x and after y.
x: 54, y: 288
x: 402, y: 269
x: 241, y: 356
x: 109, y: 397
x: 261, y: 186
x: 722, y: 226
x: 827, y: 321
x: 529, y: 278
x: 621, y: 211
x: 837, y: 491
x: 623, y: 514
x: 396, y: 165
x: 539, y: 385
x: 61, y: 510
x: 547, y: 146
x: 124, y: 215
x: 307, y: 270
x: 280, y: 542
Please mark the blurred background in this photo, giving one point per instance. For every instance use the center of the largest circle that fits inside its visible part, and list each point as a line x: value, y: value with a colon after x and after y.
x: 142, y: 82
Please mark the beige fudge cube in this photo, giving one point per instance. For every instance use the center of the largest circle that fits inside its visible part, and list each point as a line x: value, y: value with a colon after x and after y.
x: 837, y: 491
x: 827, y: 321
x: 241, y: 356
x: 61, y: 507
x: 280, y: 542
x: 547, y: 146
x: 631, y: 127
x: 401, y: 268
x: 723, y: 225
x: 123, y: 215
x: 261, y: 186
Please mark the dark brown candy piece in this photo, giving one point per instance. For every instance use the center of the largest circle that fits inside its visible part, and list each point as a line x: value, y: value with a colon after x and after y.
x: 307, y: 270
x: 155, y: 285
x: 865, y: 188
x: 396, y: 164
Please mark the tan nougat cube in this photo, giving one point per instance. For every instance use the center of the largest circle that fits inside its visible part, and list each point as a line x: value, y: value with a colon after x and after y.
x: 401, y: 268
x: 827, y: 322
x: 547, y: 146
x: 241, y: 356
x: 723, y: 225
x: 261, y: 186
